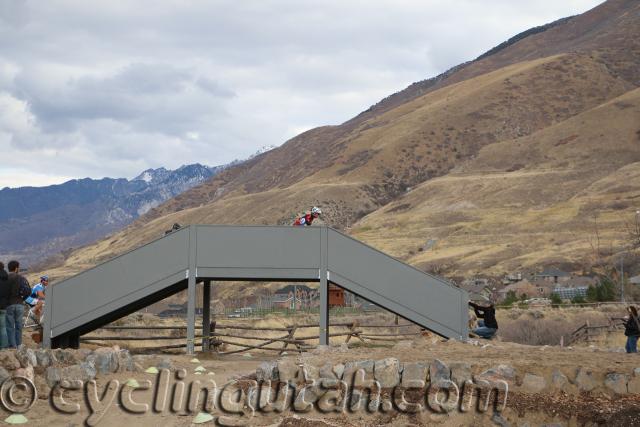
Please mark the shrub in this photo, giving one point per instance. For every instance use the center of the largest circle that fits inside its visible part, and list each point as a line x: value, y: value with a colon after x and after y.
x: 510, y: 298
x: 578, y: 299
x: 555, y: 300
x: 603, y: 291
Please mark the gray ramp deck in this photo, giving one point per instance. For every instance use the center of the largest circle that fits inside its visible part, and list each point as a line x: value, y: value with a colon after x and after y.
x: 177, y: 261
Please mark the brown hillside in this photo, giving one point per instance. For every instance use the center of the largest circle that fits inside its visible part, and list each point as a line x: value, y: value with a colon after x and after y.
x: 504, y: 161
x: 524, y: 202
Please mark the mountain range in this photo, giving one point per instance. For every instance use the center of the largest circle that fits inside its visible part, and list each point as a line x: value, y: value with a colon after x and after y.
x: 526, y: 156
x: 37, y: 222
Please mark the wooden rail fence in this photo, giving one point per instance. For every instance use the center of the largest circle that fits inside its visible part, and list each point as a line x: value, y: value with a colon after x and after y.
x: 230, y: 335
x: 588, y: 333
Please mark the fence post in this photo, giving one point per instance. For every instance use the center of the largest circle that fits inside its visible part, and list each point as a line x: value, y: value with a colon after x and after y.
x: 206, y: 315
x: 292, y: 331
x: 586, y: 331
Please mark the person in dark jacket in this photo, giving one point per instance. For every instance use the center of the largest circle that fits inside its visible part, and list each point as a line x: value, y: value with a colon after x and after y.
x: 487, y: 323
x: 632, y: 330
x: 15, y: 309
x: 4, y: 303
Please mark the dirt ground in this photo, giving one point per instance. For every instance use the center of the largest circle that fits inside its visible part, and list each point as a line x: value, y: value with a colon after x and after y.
x: 571, y: 408
x: 567, y: 408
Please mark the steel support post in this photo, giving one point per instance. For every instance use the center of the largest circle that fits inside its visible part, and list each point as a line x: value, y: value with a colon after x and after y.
x: 206, y: 314
x: 191, y: 291
x: 324, y: 287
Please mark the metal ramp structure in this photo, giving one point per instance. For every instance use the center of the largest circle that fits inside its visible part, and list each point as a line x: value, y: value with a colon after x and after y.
x: 206, y: 253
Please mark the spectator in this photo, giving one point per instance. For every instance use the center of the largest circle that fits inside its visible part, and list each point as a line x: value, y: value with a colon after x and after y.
x: 15, y: 310
x: 632, y: 329
x: 487, y: 323
x: 36, y: 299
x: 4, y: 302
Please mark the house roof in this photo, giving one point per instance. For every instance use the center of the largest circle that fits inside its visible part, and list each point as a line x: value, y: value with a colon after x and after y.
x: 553, y: 272
x: 475, y: 288
x: 518, y: 286
x: 581, y: 281
x: 290, y: 288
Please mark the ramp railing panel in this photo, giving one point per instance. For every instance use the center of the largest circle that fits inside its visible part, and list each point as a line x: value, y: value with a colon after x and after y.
x: 117, y: 282
x: 411, y: 293
x: 258, y: 252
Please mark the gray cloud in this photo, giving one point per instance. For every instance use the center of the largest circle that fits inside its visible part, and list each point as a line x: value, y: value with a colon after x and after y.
x: 111, y: 88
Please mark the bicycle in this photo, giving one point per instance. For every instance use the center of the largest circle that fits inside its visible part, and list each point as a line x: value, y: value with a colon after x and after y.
x: 30, y: 319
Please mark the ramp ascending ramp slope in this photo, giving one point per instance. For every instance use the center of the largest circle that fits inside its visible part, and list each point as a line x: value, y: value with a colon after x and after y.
x: 177, y: 261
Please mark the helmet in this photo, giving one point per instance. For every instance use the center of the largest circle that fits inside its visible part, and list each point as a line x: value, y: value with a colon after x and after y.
x: 315, y: 210
x: 45, y: 277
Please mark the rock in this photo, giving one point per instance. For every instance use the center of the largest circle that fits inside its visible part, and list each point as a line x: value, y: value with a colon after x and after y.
x: 616, y: 383
x: 125, y: 361
x: 287, y: 370
x: 65, y: 356
x: 8, y: 360
x: 343, y: 348
x: 4, y: 374
x: 84, y: 371
x: 165, y: 363
x: 499, y: 420
x: 387, y: 372
x: 338, y: 370
x: 45, y: 358
x: 321, y: 349
x: 267, y: 371
x: 311, y: 372
x: 326, y: 371
x: 26, y: 356
x: 87, y: 369
x: 533, y: 383
x: 501, y: 372
x: 634, y: 382
x: 460, y: 372
x: 633, y: 386
x: 414, y: 371
x: 43, y: 388
x: 52, y: 375
x: 559, y: 380
x: 105, y: 360
x: 350, y: 369
x: 24, y: 372
x: 584, y: 380
x: 83, y: 353
x: 438, y: 371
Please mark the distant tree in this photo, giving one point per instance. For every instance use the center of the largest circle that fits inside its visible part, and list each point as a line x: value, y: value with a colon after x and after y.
x: 633, y: 229
x: 510, y: 298
x: 578, y: 299
x: 606, y: 290
x: 555, y: 300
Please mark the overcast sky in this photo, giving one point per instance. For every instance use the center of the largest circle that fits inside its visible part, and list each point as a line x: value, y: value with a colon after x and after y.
x: 110, y: 88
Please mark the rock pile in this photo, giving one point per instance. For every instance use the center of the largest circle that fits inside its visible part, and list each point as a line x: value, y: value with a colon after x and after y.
x: 390, y: 373
x: 47, y: 367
